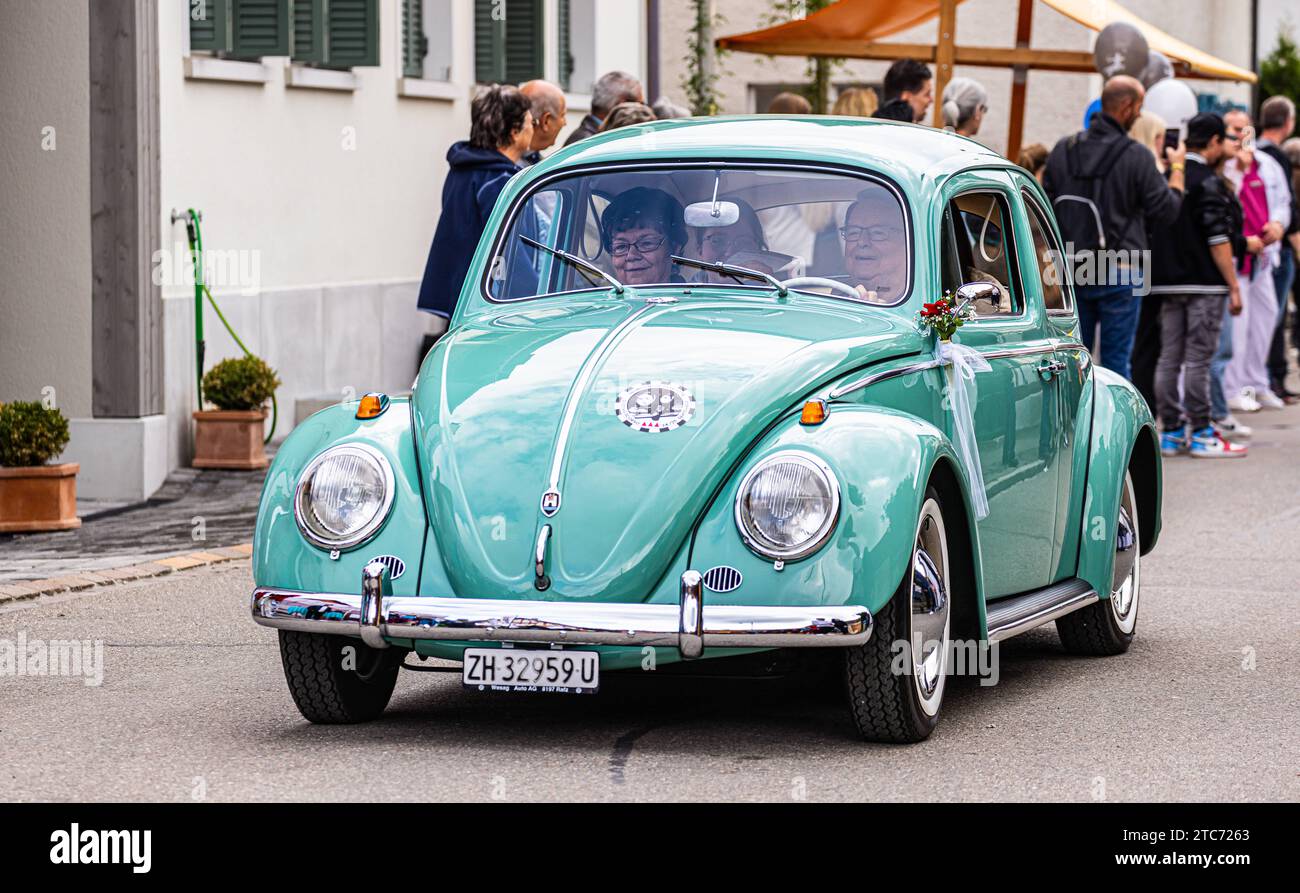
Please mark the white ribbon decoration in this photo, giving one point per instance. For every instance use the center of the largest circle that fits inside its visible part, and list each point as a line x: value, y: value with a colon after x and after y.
x: 966, y: 362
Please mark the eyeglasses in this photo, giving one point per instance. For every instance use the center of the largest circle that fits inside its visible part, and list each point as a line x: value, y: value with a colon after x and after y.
x: 873, y: 233
x: 644, y: 245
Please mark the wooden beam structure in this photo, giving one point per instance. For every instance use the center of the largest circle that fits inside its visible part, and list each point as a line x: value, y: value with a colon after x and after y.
x: 1019, y: 81
x: 944, y: 54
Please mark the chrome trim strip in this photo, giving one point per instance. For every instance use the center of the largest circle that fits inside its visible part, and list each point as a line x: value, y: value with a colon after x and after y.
x: 594, y: 359
x: 887, y: 374
x: 574, y: 623
x: 1021, y: 613
x: 690, y: 629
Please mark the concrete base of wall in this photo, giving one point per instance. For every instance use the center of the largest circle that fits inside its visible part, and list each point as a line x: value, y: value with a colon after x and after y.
x: 121, y: 459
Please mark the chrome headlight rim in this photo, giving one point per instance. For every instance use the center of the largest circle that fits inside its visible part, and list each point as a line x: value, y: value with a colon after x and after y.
x: 301, y: 511
x: 759, y: 545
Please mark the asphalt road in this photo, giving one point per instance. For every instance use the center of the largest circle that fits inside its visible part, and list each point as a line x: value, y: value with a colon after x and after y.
x: 1206, y: 705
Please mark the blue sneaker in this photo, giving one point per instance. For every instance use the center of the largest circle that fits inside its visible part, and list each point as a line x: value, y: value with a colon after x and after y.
x: 1207, y: 444
x: 1174, y: 442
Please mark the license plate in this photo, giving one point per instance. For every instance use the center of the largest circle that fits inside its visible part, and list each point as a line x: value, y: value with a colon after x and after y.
x: 511, y: 669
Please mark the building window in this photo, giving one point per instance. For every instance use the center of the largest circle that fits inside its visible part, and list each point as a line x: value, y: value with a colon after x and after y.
x: 240, y: 29
x: 336, y: 33
x: 576, y: 50
x: 423, y: 55
x: 508, y: 41
x: 328, y: 33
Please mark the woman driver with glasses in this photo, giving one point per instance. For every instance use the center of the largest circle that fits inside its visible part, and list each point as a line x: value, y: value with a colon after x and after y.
x: 641, y: 230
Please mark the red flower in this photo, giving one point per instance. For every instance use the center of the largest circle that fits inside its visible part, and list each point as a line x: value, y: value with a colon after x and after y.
x: 932, y: 309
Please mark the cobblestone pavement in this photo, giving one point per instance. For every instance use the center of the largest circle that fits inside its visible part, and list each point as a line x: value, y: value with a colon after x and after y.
x: 193, y: 510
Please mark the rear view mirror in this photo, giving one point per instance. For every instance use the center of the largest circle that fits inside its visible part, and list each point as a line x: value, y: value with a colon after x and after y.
x: 715, y: 213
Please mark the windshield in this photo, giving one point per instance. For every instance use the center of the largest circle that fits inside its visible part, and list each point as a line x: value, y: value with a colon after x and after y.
x: 833, y: 233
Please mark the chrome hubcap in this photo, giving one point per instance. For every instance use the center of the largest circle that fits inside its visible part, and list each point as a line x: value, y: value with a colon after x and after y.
x: 930, y: 608
x: 1127, y: 575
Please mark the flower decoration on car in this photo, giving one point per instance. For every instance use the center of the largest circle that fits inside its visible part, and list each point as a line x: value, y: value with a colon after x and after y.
x: 944, y: 316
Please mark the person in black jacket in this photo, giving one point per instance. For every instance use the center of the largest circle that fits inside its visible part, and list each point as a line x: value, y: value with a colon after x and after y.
x: 1100, y: 174
x: 501, y: 131
x: 611, y: 89
x: 1194, y: 272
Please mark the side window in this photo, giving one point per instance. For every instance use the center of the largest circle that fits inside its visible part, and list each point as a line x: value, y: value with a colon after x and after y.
x: 1047, y: 254
x: 977, y: 248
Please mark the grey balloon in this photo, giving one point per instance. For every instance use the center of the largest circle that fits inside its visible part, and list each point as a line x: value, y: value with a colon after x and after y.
x: 1158, y: 68
x: 1121, y: 49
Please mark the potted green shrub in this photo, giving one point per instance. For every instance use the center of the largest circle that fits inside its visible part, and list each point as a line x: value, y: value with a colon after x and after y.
x: 35, y: 496
x: 231, y: 435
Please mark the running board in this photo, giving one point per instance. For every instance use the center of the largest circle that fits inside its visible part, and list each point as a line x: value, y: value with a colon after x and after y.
x: 1012, y: 616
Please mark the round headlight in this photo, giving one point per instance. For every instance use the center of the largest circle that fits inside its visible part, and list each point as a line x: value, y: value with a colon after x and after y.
x: 787, y: 506
x: 344, y: 496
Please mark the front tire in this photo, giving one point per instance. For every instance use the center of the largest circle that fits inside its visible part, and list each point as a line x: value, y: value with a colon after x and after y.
x: 1107, y: 627
x: 332, y: 685
x: 895, y: 681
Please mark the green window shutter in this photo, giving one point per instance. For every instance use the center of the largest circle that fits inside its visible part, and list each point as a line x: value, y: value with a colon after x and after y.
x: 489, y: 44
x: 352, y: 33
x: 259, y: 28
x: 414, y: 44
x: 209, y: 25
x: 308, y: 30
x: 563, y: 52
x: 523, y: 49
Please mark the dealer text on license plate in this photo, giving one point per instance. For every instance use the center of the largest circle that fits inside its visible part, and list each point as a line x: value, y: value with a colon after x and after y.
x: 511, y: 669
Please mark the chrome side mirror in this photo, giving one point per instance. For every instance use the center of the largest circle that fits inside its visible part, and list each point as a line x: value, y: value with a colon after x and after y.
x: 977, y: 291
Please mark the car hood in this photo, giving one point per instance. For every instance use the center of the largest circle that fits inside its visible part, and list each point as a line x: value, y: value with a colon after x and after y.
x: 508, y: 404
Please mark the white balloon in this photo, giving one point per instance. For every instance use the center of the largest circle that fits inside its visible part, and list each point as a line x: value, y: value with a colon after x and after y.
x: 1172, y: 100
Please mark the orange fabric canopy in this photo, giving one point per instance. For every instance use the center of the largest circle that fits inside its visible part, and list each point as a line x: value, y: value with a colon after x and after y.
x: 869, y: 20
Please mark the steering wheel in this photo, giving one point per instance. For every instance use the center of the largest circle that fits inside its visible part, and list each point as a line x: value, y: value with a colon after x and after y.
x: 822, y: 282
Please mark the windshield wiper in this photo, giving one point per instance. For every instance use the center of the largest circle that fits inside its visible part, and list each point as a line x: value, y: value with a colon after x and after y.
x: 736, y: 273
x: 587, y: 268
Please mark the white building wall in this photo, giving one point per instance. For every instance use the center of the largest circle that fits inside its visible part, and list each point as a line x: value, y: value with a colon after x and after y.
x: 333, y: 197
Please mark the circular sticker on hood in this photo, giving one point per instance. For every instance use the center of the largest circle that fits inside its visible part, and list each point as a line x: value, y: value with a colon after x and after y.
x: 655, y: 406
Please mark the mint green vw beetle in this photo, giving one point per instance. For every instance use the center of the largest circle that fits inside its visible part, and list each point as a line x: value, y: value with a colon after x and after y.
x: 685, y: 411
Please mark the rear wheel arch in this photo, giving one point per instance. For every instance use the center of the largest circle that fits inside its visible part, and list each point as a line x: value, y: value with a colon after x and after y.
x: 1144, y: 466
x: 967, y: 613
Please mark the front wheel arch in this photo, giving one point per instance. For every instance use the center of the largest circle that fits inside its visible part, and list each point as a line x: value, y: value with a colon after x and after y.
x: 967, y: 606
x: 1144, y: 466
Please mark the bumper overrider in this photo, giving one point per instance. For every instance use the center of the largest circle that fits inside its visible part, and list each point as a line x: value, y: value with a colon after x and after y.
x: 376, y: 615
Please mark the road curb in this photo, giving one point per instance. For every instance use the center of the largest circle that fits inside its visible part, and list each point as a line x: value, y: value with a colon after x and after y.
x: 158, y: 567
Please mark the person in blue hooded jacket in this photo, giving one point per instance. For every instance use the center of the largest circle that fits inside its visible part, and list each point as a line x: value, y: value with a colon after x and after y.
x: 501, y: 132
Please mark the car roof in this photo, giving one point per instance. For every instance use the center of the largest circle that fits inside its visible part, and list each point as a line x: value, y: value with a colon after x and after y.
x: 910, y: 153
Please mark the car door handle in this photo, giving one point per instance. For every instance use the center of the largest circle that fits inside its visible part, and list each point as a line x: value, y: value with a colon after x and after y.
x: 1051, y: 369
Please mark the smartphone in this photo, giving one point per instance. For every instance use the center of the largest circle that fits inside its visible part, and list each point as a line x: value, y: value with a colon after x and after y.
x: 1173, y: 136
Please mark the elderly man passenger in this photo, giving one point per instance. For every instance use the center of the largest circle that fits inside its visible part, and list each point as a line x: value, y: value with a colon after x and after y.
x: 875, y: 256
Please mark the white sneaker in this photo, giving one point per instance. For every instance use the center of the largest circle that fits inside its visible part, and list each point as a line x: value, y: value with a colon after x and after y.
x: 1244, y: 402
x: 1233, y: 430
x: 1269, y: 400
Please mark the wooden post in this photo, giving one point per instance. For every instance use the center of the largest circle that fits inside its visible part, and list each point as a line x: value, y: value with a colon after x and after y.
x: 1019, y: 82
x: 944, y: 54
x: 125, y: 227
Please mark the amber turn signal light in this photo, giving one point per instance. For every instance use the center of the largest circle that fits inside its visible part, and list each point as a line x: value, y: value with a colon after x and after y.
x: 372, y: 406
x: 814, y: 412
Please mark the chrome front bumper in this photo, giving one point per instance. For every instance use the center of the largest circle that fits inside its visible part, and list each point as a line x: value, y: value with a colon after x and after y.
x: 375, y: 615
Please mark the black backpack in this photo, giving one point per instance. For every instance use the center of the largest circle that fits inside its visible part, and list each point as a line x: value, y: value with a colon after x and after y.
x: 1080, y: 217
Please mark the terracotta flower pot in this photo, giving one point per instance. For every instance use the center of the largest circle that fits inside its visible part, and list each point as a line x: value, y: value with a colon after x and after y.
x: 43, y: 497
x: 229, y: 438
